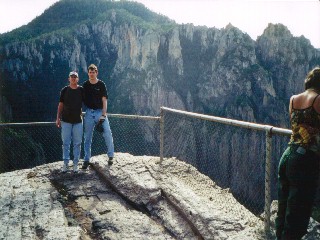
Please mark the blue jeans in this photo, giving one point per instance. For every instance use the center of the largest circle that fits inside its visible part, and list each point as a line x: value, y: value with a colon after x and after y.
x: 70, y: 131
x: 91, y: 119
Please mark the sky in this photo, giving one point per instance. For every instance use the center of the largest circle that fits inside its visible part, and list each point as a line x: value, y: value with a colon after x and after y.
x: 302, y: 17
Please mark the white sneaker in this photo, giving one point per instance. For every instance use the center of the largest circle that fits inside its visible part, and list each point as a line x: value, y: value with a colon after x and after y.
x: 75, y: 168
x: 65, y: 168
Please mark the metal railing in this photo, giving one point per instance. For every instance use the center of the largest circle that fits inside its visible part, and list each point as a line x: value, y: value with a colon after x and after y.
x: 26, y: 145
x: 137, y: 125
x: 269, y: 131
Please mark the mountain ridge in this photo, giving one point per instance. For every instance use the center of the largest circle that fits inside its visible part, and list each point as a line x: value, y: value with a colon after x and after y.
x: 58, y: 17
x: 221, y: 72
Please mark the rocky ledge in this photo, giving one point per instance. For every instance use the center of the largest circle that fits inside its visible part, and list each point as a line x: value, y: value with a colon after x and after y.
x: 135, y: 198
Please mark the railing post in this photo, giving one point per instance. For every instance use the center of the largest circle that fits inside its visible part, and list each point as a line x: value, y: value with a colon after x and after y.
x: 161, y: 133
x: 268, y: 182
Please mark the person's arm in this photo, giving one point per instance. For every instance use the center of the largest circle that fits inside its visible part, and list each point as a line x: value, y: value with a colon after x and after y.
x: 290, y: 105
x: 58, y: 121
x: 60, y: 107
x: 104, y: 100
x: 104, y: 108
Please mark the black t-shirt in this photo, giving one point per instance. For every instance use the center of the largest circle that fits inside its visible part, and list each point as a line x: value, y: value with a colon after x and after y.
x: 72, y: 104
x: 93, y: 94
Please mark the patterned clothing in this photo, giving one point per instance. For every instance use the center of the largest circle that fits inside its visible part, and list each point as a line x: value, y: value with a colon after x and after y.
x: 298, y: 174
x: 305, y: 125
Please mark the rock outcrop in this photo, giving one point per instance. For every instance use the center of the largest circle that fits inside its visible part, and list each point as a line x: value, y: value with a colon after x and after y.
x: 313, y: 228
x: 148, y: 62
x: 136, y: 198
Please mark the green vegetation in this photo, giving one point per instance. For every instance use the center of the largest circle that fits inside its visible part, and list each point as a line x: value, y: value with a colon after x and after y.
x: 25, y: 153
x: 65, y: 15
x: 123, y: 16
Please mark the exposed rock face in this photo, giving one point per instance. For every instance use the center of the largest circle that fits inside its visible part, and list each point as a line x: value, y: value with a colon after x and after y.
x: 287, y: 60
x: 30, y: 207
x: 136, y: 198
x: 313, y: 228
x: 207, y: 70
x: 220, y: 72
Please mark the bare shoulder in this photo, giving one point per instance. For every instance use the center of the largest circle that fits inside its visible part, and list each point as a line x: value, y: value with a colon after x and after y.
x: 303, y: 100
x: 316, y: 104
x: 292, y: 97
x: 296, y: 100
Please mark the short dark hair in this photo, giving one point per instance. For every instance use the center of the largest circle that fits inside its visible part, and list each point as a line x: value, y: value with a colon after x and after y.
x: 313, y: 79
x: 93, y: 67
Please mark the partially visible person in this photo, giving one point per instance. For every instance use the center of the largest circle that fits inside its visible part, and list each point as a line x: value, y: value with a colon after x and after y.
x: 95, y: 101
x: 299, y: 165
x: 69, y: 118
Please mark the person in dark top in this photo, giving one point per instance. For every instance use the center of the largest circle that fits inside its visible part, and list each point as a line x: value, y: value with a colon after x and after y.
x: 95, y: 101
x: 299, y: 165
x: 69, y: 118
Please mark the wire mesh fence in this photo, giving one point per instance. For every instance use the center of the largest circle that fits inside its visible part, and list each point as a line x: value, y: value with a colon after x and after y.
x: 279, y: 145
x: 239, y: 156
x: 28, y: 145
x: 234, y: 157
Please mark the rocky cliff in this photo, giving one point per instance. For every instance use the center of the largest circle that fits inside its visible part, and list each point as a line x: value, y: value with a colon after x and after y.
x: 136, y: 198
x: 148, y: 61
x: 147, y: 64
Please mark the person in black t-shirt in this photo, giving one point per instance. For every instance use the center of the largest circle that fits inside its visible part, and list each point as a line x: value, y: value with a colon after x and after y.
x: 69, y: 118
x: 95, y: 101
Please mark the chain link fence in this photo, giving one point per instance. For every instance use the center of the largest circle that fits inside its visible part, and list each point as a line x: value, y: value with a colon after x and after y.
x: 232, y: 157
x: 26, y: 145
x: 242, y: 159
x: 239, y: 156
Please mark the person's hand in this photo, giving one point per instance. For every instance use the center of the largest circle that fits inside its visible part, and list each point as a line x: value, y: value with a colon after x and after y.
x: 102, y: 118
x: 99, y: 126
x: 58, y: 123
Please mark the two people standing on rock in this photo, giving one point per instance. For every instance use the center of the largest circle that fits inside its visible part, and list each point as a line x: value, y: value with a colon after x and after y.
x: 299, y: 165
x: 94, y: 96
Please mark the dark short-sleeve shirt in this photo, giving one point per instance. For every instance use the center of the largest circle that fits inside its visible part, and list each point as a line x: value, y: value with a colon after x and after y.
x: 72, y: 104
x: 93, y: 94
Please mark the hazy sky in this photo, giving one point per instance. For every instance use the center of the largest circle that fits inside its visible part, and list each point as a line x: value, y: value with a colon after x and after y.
x: 302, y: 17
